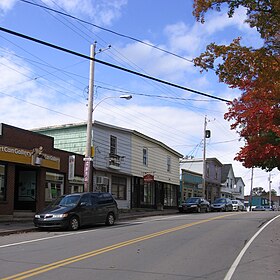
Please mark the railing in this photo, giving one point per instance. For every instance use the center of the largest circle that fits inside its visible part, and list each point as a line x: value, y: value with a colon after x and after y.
x: 114, y: 161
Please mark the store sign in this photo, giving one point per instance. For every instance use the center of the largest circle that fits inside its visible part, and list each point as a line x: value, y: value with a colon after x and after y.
x: 148, y: 178
x: 23, y: 156
x: 86, y: 170
x: 71, y: 167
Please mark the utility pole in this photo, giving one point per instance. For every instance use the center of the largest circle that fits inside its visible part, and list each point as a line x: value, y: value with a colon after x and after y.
x: 269, y: 187
x: 204, y: 160
x: 88, y: 158
x: 251, y: 192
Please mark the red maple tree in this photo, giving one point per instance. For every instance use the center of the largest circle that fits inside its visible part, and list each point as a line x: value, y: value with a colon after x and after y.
x: 255, y: 72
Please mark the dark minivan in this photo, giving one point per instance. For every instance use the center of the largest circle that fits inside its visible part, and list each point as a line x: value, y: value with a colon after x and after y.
x: 74, y: 210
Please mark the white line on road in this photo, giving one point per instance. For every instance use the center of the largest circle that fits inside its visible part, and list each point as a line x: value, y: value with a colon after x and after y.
x: 70, y: 234
x: 243, y: 251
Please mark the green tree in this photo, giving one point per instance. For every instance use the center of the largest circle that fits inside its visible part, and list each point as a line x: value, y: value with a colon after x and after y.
x: 255, y: 72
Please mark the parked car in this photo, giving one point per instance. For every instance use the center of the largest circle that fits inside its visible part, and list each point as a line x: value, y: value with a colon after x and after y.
x: 268, y: 208
x: 258, y: 208
x: 78, y: 209
x: 237, y: 205
x: 194, y: 204
x: 222, y: 204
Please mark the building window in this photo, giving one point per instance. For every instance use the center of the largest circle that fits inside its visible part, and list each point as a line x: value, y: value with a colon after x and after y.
x: 147, y: 196
x: 113, y: 145
x: 54, y: 186
x: 170, y: 195
x: 3, y: 188
x: 207, y: 170
x: 119, y: 187
x: 168, y: 163
x: 216, y: 172
x: 145, y: 156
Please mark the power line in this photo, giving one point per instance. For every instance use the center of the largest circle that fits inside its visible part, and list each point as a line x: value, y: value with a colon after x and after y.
x: 109, y: 64
x: 39, y: 106
x: 106, y: 29
x: 152, y: 95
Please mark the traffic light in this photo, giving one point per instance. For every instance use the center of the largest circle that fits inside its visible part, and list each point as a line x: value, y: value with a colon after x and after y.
x: 207, y: 133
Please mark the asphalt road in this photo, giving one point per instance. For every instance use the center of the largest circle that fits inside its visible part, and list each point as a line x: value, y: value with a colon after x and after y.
x: 183, y: 246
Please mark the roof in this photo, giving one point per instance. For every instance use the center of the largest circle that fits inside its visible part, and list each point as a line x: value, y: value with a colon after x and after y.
x: 126, y: 130
x: 225, y: 171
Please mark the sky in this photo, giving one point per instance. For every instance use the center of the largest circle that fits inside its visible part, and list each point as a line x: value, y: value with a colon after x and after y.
x: 42, y: 86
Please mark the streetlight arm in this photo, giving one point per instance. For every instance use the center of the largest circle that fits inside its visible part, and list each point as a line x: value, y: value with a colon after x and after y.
x: 127, y: 97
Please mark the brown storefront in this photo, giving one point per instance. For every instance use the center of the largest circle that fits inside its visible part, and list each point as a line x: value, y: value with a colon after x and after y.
x: 33, y: 172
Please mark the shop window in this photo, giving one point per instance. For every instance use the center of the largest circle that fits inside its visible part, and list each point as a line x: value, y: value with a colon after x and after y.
x: 3, y: 188
x: 54, y: 186
x: 170, y: 195
x: 148, y: 197
x: 76, y: 188
x: 119, y: 187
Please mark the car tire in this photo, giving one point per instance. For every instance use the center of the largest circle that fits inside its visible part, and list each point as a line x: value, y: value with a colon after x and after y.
x: 74, y: 223
x: 110, y: 220
x: 207, y: 209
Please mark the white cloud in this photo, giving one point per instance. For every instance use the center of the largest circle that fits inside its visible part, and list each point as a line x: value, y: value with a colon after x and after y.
x: 6, y: 5
x: 101, y: 12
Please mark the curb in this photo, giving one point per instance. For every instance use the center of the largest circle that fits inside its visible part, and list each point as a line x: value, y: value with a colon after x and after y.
x: 29, y: 228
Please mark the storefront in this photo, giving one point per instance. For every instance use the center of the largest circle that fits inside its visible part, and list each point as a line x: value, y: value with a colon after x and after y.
x: 32, y: 172
x: 149, y: 193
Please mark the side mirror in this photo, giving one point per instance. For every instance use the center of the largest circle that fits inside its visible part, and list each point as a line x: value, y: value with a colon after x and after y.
x: 83, y: 204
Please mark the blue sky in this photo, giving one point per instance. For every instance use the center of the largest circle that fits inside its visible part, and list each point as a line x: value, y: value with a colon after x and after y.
x: 40, y: 86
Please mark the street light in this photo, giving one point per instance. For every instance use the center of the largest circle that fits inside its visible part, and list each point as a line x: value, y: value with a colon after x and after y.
x: 123, y: 96
x: 88, y: 158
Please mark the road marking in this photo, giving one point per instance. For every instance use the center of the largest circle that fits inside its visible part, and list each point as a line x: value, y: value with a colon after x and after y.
x: 46, y: 238
x: 79, y: 232
x: 64, y: 262
x: 243, y: 251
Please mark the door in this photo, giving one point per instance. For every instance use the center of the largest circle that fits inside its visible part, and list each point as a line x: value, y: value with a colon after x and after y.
x: 86, y: 210
x: 25, y: 190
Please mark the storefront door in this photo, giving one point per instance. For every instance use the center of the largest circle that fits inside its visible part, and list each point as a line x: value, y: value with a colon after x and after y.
x: 25, y: 190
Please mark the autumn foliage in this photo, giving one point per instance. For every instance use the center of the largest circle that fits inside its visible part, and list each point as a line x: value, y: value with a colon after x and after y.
x: 255, y: 72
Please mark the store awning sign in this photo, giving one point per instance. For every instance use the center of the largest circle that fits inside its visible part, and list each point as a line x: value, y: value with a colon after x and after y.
x: 148, y: 178
x: 18, y: 155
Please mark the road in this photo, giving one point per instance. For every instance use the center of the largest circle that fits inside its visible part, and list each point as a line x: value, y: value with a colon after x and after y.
x: 175, y: 247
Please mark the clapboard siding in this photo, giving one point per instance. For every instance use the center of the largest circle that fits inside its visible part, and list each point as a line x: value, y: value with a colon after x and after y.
x: 157, y: 161
x: 101, y: 143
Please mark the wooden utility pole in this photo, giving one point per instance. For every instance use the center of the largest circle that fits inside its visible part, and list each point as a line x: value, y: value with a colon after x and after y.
x: 88, y: 158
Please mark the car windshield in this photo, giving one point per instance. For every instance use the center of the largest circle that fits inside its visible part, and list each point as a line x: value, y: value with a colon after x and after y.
x: 68, y: 200
x: 192, y: 200
x: 220, y: 200
x: 234, y: 202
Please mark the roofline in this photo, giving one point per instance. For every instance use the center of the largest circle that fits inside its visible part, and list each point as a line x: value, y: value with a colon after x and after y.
x: 98, y: 123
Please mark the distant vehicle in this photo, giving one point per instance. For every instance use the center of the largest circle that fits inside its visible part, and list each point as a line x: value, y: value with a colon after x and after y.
x: 194, y: 204
x: 258, y: 208
x: 222, y: 204
x: 237, y: 205
x: 268, y: 208
x: 78, y: 209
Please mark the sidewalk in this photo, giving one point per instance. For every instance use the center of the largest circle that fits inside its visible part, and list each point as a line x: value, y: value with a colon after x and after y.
x: 9, y: 226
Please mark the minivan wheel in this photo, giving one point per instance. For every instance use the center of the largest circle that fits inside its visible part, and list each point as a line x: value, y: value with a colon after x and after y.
x: 74, y: 223
x: 110, y: 220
